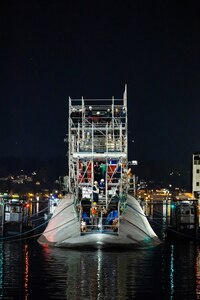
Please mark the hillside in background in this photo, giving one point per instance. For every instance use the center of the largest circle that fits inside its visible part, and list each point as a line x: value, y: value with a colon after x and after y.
x: 47, y: 171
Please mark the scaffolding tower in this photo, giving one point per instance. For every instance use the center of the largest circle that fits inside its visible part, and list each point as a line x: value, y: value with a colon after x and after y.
x: 97, y: 146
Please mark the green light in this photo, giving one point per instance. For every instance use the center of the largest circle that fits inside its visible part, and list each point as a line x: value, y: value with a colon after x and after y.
x: 147, y: 239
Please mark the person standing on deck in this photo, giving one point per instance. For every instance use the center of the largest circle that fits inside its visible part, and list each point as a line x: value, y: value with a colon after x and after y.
x: 94, y: 215
x: 102, y: 186
x: 95, y: 192
x: 97, y: 117
x: 90, y: 114
x: 108, y: 116
x: 117, y: 115
x: 103, y: 169
x: 97, y: 173
x: 123, y: 115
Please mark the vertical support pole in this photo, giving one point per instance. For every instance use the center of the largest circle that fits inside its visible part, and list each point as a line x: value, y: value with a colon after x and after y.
x: 83, y: 119
x: 106, y: 183
x: 69, y: 144
x: 92, y: 139
x: 78, y: 141
x: 113, y: 119
x: 120, y: 136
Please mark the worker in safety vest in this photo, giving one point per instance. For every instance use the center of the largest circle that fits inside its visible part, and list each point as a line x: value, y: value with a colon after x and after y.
x: 94, y: 215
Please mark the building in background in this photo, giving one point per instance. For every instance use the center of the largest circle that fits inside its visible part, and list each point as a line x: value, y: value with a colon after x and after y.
x: 196, y: 175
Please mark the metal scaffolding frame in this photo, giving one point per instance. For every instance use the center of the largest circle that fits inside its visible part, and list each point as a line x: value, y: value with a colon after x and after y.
x: 97, y: 133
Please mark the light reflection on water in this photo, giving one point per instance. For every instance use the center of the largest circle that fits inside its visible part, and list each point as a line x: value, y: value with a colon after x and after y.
x: 100, y: 274
x: 31, y: 271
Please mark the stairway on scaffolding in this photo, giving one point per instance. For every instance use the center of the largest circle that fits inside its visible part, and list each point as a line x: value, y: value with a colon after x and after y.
x: 102, y: 201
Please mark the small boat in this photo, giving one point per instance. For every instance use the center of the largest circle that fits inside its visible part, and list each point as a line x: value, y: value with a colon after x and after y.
x: 15, y: 217
x: 184, y: 220
x: 98, y: 209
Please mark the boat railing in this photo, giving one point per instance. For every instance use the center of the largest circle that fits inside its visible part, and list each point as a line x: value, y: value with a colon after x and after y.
x: 100, y: 220
x: 98, y: 121
x: 103, y: 111
x: 96, y: 143
x: 99, y: 226
x: 100, y: 148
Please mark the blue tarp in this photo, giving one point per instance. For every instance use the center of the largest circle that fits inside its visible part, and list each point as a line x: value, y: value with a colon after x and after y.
x: 112, y: 215
x: 85, y: 217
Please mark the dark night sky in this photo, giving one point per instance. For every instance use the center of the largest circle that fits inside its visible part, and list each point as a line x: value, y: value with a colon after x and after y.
x: 54, y: 49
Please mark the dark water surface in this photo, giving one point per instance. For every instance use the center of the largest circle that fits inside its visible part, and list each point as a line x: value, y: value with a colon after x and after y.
x: 31, y: 271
